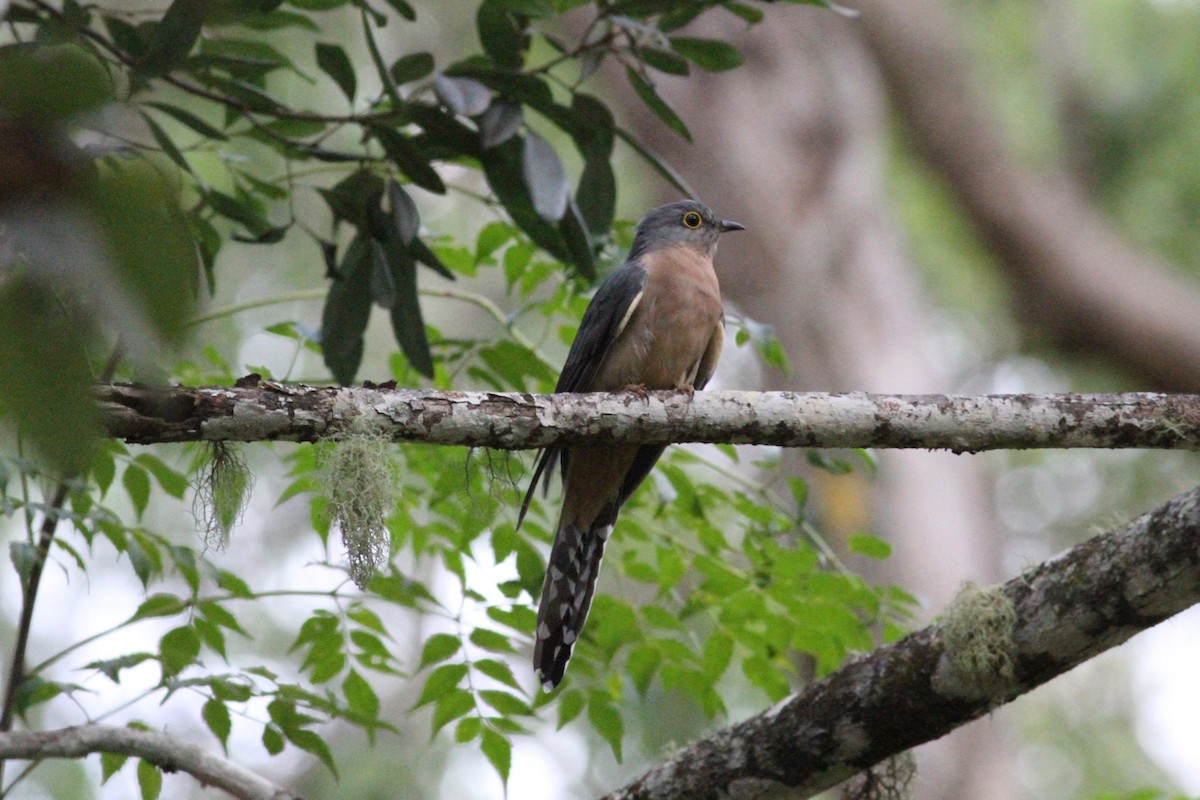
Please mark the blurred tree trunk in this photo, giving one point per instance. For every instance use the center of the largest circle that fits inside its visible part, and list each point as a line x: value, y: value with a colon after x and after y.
x: 792, y: 145
x: 1073, y: 276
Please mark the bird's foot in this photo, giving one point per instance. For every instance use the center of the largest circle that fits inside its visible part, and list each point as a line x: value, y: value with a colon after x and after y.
x: 638, y: 389
x: 687, y: 389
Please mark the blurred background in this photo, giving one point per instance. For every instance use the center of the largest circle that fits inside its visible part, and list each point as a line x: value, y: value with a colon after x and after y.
x: 940, y: 197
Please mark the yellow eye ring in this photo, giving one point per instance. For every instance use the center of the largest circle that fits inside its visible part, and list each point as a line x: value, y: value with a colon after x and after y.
x: 692, y: 220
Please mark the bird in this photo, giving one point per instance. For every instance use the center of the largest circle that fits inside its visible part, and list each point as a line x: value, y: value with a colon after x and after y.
x: 657, y: 322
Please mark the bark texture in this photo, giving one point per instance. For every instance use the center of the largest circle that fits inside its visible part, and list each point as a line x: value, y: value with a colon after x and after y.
x: 273, y: 411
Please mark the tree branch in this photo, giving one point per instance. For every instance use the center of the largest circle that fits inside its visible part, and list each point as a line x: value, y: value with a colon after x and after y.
x: 268, y: 411
x: 166, y: 752
x: 992, y: 647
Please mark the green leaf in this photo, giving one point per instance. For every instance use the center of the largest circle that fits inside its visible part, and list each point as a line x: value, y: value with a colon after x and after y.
x: 450, y: 706
x: 216, y: 717
x: 650, y: 97
x: 408, y: 159
x: 441, y: 682
x: 570, y: 706
x: 112, y: 667
x: 158, y: 605
x: 497, y: 671
x: 663, y: 60
x: 868, y: 546
x: 606, y: 720
x: 272, y: 739
x: 411, y: 67
x: 51, y: 81
x: 439, y: 647
x: 24, y: 557
x: 468, y: 729
x: 172, y: 481
x: 579, y: 242
x: 491, y: 641
x: 177, y: 650
x: 334, y: 62
x: 110, y: 764
x: 136, y: 481
x: 383, y: 285
x: 172, y: 39
x: 347, y: 311
x: 165, y: 143
x: 506, y: 703
x: 502, y: 35
x: 149, y: 780
x: 498, y: 751
x: 359, y: 695
x: 403, y: 8
x: 191, y: 120
x: 709, y: 54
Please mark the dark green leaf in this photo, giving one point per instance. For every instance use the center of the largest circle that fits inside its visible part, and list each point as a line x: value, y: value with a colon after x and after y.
x: 403, y: 9
x: 422, y: 253
x: 149, y: 780
x: 411, y: 67
x: 748, y: 13
x: 656, y: 104
x: 272, y: 739
x: 709, y: 54
x: 579, y: 243
x: 502, y: 34
x: 502, y: 167
x: 498, y: 751
x: 409, y: 159
x: 165, y: 143
x: 174, y: 36
x: 334, y: 62
x: 405, y: 216
x: 654, y: 160
x: 383, y: 283
x: 499, y: 123
x: 545, y: 178
x: 439, y: 647
x: 407, y: 324
x: 355, y: 197
x: 664, y: 60
x: 216, y: 717
x: 462, y: 95
x: 347, y: 311
x: 443, y: 133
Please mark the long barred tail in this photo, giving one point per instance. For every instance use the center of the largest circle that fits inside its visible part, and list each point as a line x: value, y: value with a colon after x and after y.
x: 566, y: 597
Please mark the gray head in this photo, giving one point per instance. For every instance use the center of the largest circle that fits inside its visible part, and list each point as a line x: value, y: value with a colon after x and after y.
x: 685, y: 222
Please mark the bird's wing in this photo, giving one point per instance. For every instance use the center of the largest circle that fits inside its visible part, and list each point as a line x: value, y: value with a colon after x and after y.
x: 606, y: 316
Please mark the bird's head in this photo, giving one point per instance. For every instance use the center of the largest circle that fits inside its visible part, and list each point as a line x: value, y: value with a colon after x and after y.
x: 685, y: 222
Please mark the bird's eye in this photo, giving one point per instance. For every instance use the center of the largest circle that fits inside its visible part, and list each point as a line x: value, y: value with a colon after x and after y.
x: 691, y: 220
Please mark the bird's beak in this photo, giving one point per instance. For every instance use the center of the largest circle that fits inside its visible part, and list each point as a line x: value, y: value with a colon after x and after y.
x: 727, y: 225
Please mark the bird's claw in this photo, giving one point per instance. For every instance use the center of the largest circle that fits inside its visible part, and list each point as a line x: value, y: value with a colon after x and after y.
x: 638, y: 389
